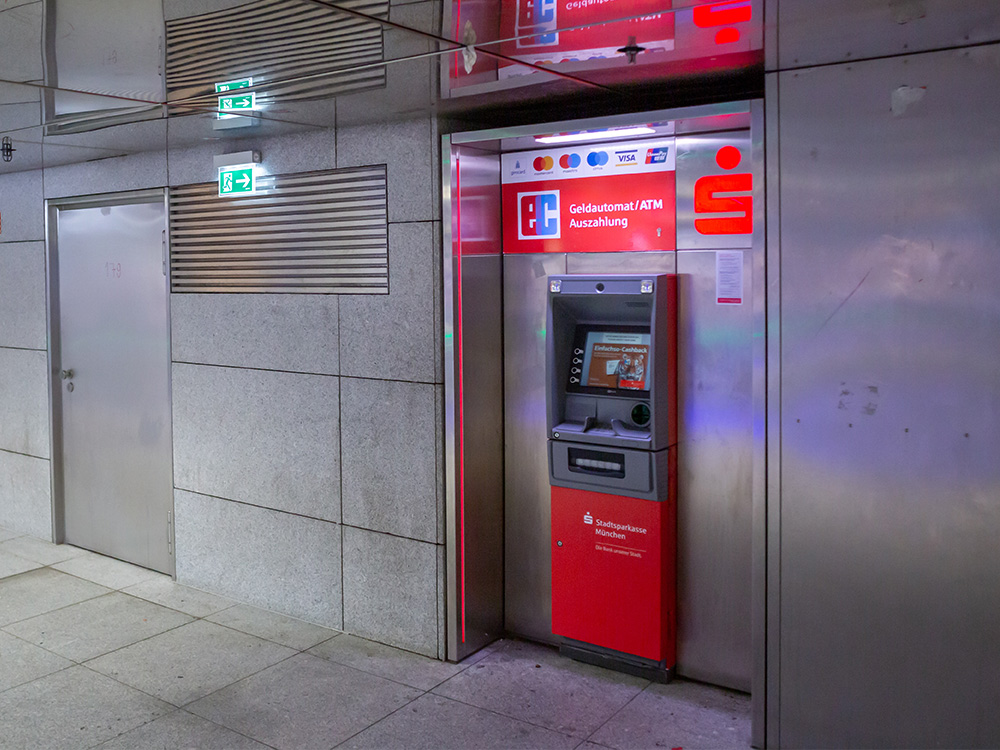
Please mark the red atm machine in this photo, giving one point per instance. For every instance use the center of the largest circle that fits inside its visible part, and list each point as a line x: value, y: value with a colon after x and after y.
x: 612, y: 419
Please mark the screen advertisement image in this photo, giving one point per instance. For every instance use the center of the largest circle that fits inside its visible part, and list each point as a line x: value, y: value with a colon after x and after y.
x: 612, y: 360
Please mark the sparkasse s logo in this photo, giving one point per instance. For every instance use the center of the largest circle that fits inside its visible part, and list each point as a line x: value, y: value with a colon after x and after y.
x: 538, y: 215
x: 588, y: 519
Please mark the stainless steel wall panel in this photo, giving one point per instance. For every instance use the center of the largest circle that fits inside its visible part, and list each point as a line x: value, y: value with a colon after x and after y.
x: 715, y: 494
x: 811, y: 33
x: 482, y: 442
x: 890, y: 418
x: 473, y: 400
x: 527, y: 517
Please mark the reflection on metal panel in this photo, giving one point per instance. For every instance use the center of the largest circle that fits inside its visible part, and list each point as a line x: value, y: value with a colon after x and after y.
x: 112, y: 337
x: 308, y: 233
x: 527, y: 519
x: 293, y: 50
x: 473, y: 288
x: 890, y: 419
x: 715, y: 503
x: 482, y: 448
x: 810, y: 33
x: 112, y: 47
x: 714, y: 191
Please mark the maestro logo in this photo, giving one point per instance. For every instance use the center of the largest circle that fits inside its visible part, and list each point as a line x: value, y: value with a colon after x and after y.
x: 538, y: 215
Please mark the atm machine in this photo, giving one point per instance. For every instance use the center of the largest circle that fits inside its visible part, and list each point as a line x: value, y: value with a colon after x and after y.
x: 612, y: 422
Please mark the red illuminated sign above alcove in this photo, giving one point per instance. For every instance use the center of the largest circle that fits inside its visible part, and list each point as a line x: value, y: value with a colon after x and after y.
x: 520, y: 44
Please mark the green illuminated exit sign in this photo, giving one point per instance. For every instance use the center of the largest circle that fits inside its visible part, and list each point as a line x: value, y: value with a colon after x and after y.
x: 243, y: 83
x: 237, y: 103
x: 237, y: 181
x: 234, y: 101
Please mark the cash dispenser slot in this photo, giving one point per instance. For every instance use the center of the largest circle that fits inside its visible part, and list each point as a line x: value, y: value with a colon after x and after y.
x: 601, y: 463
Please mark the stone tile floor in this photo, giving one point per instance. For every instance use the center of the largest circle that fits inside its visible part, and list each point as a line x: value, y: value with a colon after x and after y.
x: 98, y: 653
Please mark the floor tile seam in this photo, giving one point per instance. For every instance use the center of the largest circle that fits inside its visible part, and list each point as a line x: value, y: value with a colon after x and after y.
x: 91, y: 580
x: 127, y: 645
x: 618, y: 711
x: 233, y: 683
x: 179, y: 709
x: 393, y: 680
x: 40, y: 677
x: 50, y: 611
x: 261, y: 637
x: 173, y: 609
x: 379, y: 721
x: 73, y: 662
x: 232, y: 602
x: 135, y: 728
x: 335, y: 631
x: 506, y: 716
x: 21, y: 557
x: 130, y: 687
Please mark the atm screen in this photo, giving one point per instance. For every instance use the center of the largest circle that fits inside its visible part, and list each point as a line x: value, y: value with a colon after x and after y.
x: 611, y: 358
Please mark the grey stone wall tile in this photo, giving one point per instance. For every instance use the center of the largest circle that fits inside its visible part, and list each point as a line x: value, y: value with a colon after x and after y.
x: 405, y: 147
x: 25, y: 495
x: 135, y: 172
x: 312, y: 149
x: 21, y: 41
x: 21, y: 207
x: 390, y: 591
x: 278, y: 561
x: 389, y: 453
x: 16, y: 93
x: 296, y: 332
x: 265, y: 438
x: 22, y: 295
x: 393, y: 336
x: 24, y: 402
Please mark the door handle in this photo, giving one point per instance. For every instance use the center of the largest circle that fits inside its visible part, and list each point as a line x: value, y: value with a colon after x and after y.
x: 66, y: 374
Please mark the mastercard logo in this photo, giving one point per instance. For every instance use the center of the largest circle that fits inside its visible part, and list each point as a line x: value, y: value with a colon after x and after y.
x: 543, y: 163
x: 597, y: 158
x: 569, y: 161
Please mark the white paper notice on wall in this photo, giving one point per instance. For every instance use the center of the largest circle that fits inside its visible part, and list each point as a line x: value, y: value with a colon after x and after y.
x: 729, y: 277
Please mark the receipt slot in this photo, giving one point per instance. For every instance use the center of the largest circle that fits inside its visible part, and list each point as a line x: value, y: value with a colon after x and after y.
x: 612, y: 420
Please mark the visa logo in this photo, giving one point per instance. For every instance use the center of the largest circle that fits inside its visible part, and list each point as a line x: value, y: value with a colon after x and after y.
x: 657, y: 155
x: 626, y: 157
x: 538, y: 215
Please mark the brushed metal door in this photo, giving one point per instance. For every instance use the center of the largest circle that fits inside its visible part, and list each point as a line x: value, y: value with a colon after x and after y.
x: 113, y: 402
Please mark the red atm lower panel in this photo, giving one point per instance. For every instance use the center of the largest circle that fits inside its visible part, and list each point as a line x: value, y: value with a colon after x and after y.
x: 613, y: 572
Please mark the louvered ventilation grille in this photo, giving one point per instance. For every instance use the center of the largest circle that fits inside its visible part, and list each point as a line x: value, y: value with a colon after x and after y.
x: 293, y: 49
x: 306, y: 233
